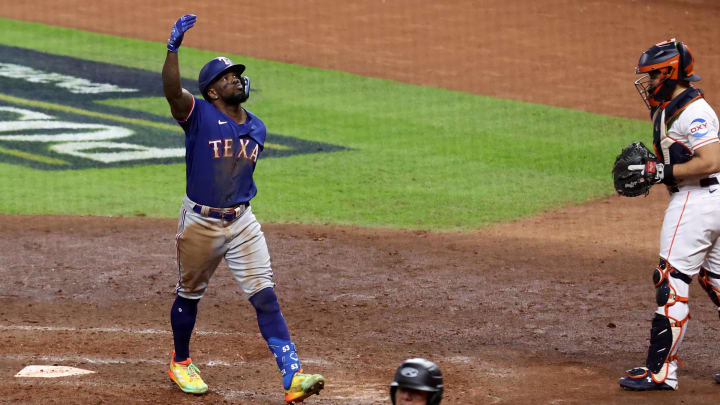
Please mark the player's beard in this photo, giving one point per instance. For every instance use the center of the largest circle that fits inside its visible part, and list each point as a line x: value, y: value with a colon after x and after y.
x: 236, y: 98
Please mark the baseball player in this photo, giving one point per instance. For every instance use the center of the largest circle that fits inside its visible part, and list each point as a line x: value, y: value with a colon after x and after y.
x: 417, y: 382
x: 223, y: 142
x: 685, y: 136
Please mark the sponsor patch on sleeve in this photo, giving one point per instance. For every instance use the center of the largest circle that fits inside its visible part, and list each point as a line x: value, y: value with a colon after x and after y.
x: 699, y: 127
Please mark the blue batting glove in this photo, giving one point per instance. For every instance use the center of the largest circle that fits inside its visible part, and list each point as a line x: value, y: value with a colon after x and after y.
x: 183, y: 24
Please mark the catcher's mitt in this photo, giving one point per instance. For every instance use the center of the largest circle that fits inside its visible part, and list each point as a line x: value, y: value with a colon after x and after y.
x: 629, y: 175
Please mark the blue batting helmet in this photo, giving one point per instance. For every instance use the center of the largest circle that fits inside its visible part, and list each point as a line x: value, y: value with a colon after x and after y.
x: 214, y: 69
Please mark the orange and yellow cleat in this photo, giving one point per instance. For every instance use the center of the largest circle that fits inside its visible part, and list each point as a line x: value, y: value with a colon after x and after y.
x: 186, y: 376
x: 303, y: 385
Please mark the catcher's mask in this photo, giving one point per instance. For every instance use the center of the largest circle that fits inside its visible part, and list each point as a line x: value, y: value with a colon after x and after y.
x: 217, y: 67
x: 419, y: 374
x: 673, y: 61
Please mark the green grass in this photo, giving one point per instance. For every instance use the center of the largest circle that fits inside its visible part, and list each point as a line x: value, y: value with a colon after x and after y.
x: 116, y: 192
x: 418, y: 157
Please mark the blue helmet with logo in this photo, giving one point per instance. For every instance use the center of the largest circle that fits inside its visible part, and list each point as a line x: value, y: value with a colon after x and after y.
x: 421, y: 375
x: 214, y: 69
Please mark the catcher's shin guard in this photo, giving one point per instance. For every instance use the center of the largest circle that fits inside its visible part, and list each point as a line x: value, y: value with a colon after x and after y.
x: 671, y: 288
x: 666, y: 333
x: 669, y: 323
x: 711, y: 283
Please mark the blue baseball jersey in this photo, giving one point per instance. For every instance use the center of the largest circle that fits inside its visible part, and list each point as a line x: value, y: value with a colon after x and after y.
x: 220, y: 155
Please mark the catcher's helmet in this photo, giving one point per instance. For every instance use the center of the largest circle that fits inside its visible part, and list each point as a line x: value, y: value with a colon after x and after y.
x: 216, y: 68
x: 674, y: 61
x: 419, y: 374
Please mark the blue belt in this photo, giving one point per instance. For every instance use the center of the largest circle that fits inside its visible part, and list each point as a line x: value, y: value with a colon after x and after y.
x: 226, y: 214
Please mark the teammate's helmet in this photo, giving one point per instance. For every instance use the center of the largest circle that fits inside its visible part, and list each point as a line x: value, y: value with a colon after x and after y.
x: 214, y: 69
x: 419, y: 374
x: 674, y: 61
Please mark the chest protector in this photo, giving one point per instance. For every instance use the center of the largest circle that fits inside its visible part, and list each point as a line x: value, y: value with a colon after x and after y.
x: 669, y: 150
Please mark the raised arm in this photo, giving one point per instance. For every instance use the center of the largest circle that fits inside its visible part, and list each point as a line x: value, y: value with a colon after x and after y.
x: 180, y: 100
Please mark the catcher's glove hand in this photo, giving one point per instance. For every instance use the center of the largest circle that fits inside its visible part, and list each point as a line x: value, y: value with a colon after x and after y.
x: 636, y: 169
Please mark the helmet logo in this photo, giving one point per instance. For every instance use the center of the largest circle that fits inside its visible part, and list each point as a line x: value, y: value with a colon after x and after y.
x: 409, y: 372
x: 225, y: 60
x: 698, y: 125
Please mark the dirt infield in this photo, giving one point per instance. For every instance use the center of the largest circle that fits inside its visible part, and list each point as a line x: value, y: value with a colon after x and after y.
x: 527, y: 312
x: 548, y: 310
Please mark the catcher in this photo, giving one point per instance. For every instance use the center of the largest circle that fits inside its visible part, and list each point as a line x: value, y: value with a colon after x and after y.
x: 687, y: 161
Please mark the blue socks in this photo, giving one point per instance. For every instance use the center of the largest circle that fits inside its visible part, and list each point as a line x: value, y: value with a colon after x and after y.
x: 275, y: 331
x: 270, y: 319
x: 182, y: 320
x: 286, y: 358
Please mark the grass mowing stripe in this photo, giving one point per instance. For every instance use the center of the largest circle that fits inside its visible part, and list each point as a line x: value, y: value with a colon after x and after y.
x: 417, y: 157
x: 32, y: 156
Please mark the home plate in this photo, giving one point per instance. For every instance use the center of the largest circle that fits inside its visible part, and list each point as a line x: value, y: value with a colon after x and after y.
x: 51, y: 371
